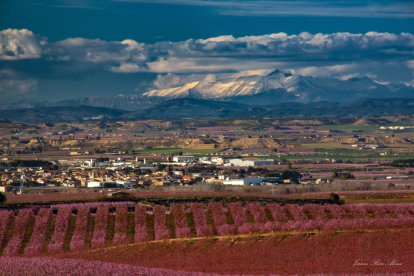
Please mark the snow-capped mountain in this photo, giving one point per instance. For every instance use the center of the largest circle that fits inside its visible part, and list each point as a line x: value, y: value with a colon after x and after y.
x: 280, y: 86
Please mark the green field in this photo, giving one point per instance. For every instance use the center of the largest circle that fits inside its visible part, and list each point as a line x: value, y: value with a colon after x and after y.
x: 249, y: 133
x: 336, y: 157
x: 361, y: 127
x: 172, y: 150
x: 345, y: 152
x: 103, y: 129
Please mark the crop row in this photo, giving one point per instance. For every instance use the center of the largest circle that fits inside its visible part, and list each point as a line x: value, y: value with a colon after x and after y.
x: 160, y: 223
x: 180, y: 221
x: 141, y: 233
x: 236, y: 219
x: 61, y: 226
x: 121, y: 225
x: 78, y: 238
x: 101, y: 225
x: 20, y: 226
x: 219, y: 218
x: 17, y: 266
x: 39, y: 231
x: 200, y: 220
x: 5, y: 218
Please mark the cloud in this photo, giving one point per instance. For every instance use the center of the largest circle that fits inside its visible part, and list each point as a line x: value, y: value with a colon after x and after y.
x: 411, y: 83
x: 170, y: 80
x: 410, y: 64
x: 94, y: 50
x: 340, y: 70
x: 216, y: 53
x: 350, y: 76
x: 13, y: 87
x: 259, y: 72
x: 338, y: 55
x: 126, y: 68
x: 20, y: 44
x: 347, y: 8
x: 371, y: 76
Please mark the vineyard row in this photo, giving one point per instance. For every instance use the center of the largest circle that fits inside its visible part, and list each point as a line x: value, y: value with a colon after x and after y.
x: 32, y: 232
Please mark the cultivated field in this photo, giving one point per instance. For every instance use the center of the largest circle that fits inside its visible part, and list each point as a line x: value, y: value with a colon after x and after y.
x: 210, y: 239
x: 100, y: 224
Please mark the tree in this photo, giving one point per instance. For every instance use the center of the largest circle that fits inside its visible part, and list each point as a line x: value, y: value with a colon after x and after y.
x: 334, y: 197
x: 272, y: 174
x: 3, y: 198
x: 161, y: 167
x: 53, y: 167
x: 343, y: 176
x: 391, y: 185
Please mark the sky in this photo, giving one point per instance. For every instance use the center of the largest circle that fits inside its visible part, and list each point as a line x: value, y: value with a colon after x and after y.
x: 53, y: 50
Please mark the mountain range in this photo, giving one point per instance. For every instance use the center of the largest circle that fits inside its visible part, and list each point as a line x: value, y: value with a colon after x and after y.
x: 185, y: 108
x: 279, y: 94
x: 274, y: 88
x: 280, y: 86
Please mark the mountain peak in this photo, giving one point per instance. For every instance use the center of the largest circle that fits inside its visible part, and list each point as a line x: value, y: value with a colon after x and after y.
x: 279, y: 74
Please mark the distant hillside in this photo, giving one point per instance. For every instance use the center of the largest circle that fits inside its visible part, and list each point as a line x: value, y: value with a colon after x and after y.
x: 185, y: 108
x: 196, y: 108
x: 60, y: 114
x: 192, y: 108
x: 124, y: 102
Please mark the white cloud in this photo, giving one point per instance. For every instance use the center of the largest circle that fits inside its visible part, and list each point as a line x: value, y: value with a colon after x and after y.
x: 170, y: 80
x: 126, y: 68
x: 339, y: 70
x: 338, y: 55
x: 17, y: 87
x: 411, y: 83
x: 350, y: 76
x: 20, y: 44
x: 259, y: 72
x: 130, y: 56
x: 371, y: 76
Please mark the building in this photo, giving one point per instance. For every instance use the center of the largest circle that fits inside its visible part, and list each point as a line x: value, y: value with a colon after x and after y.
x: 95, y: 184
x: 124, y: 183
x: 188, y: 159
x: 103, y: 184
x: 272, y: 180
x: 246, y: 163
x: 397, y: 177
x: 148, y: 166
x: 243, y: 181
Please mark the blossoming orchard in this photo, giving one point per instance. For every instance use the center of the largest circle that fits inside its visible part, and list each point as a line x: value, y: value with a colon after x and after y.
x: 79, y: 227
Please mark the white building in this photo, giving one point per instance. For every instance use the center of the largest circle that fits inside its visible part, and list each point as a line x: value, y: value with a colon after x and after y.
x: 246, y: 163
x: 243, y: 181
x: 94, y: 164
x: 124, y: 183
x: 95, y: 184
x: 212, y: 160
x: 397, y: 177
x: 188, y: 159
x: 101, y: 184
